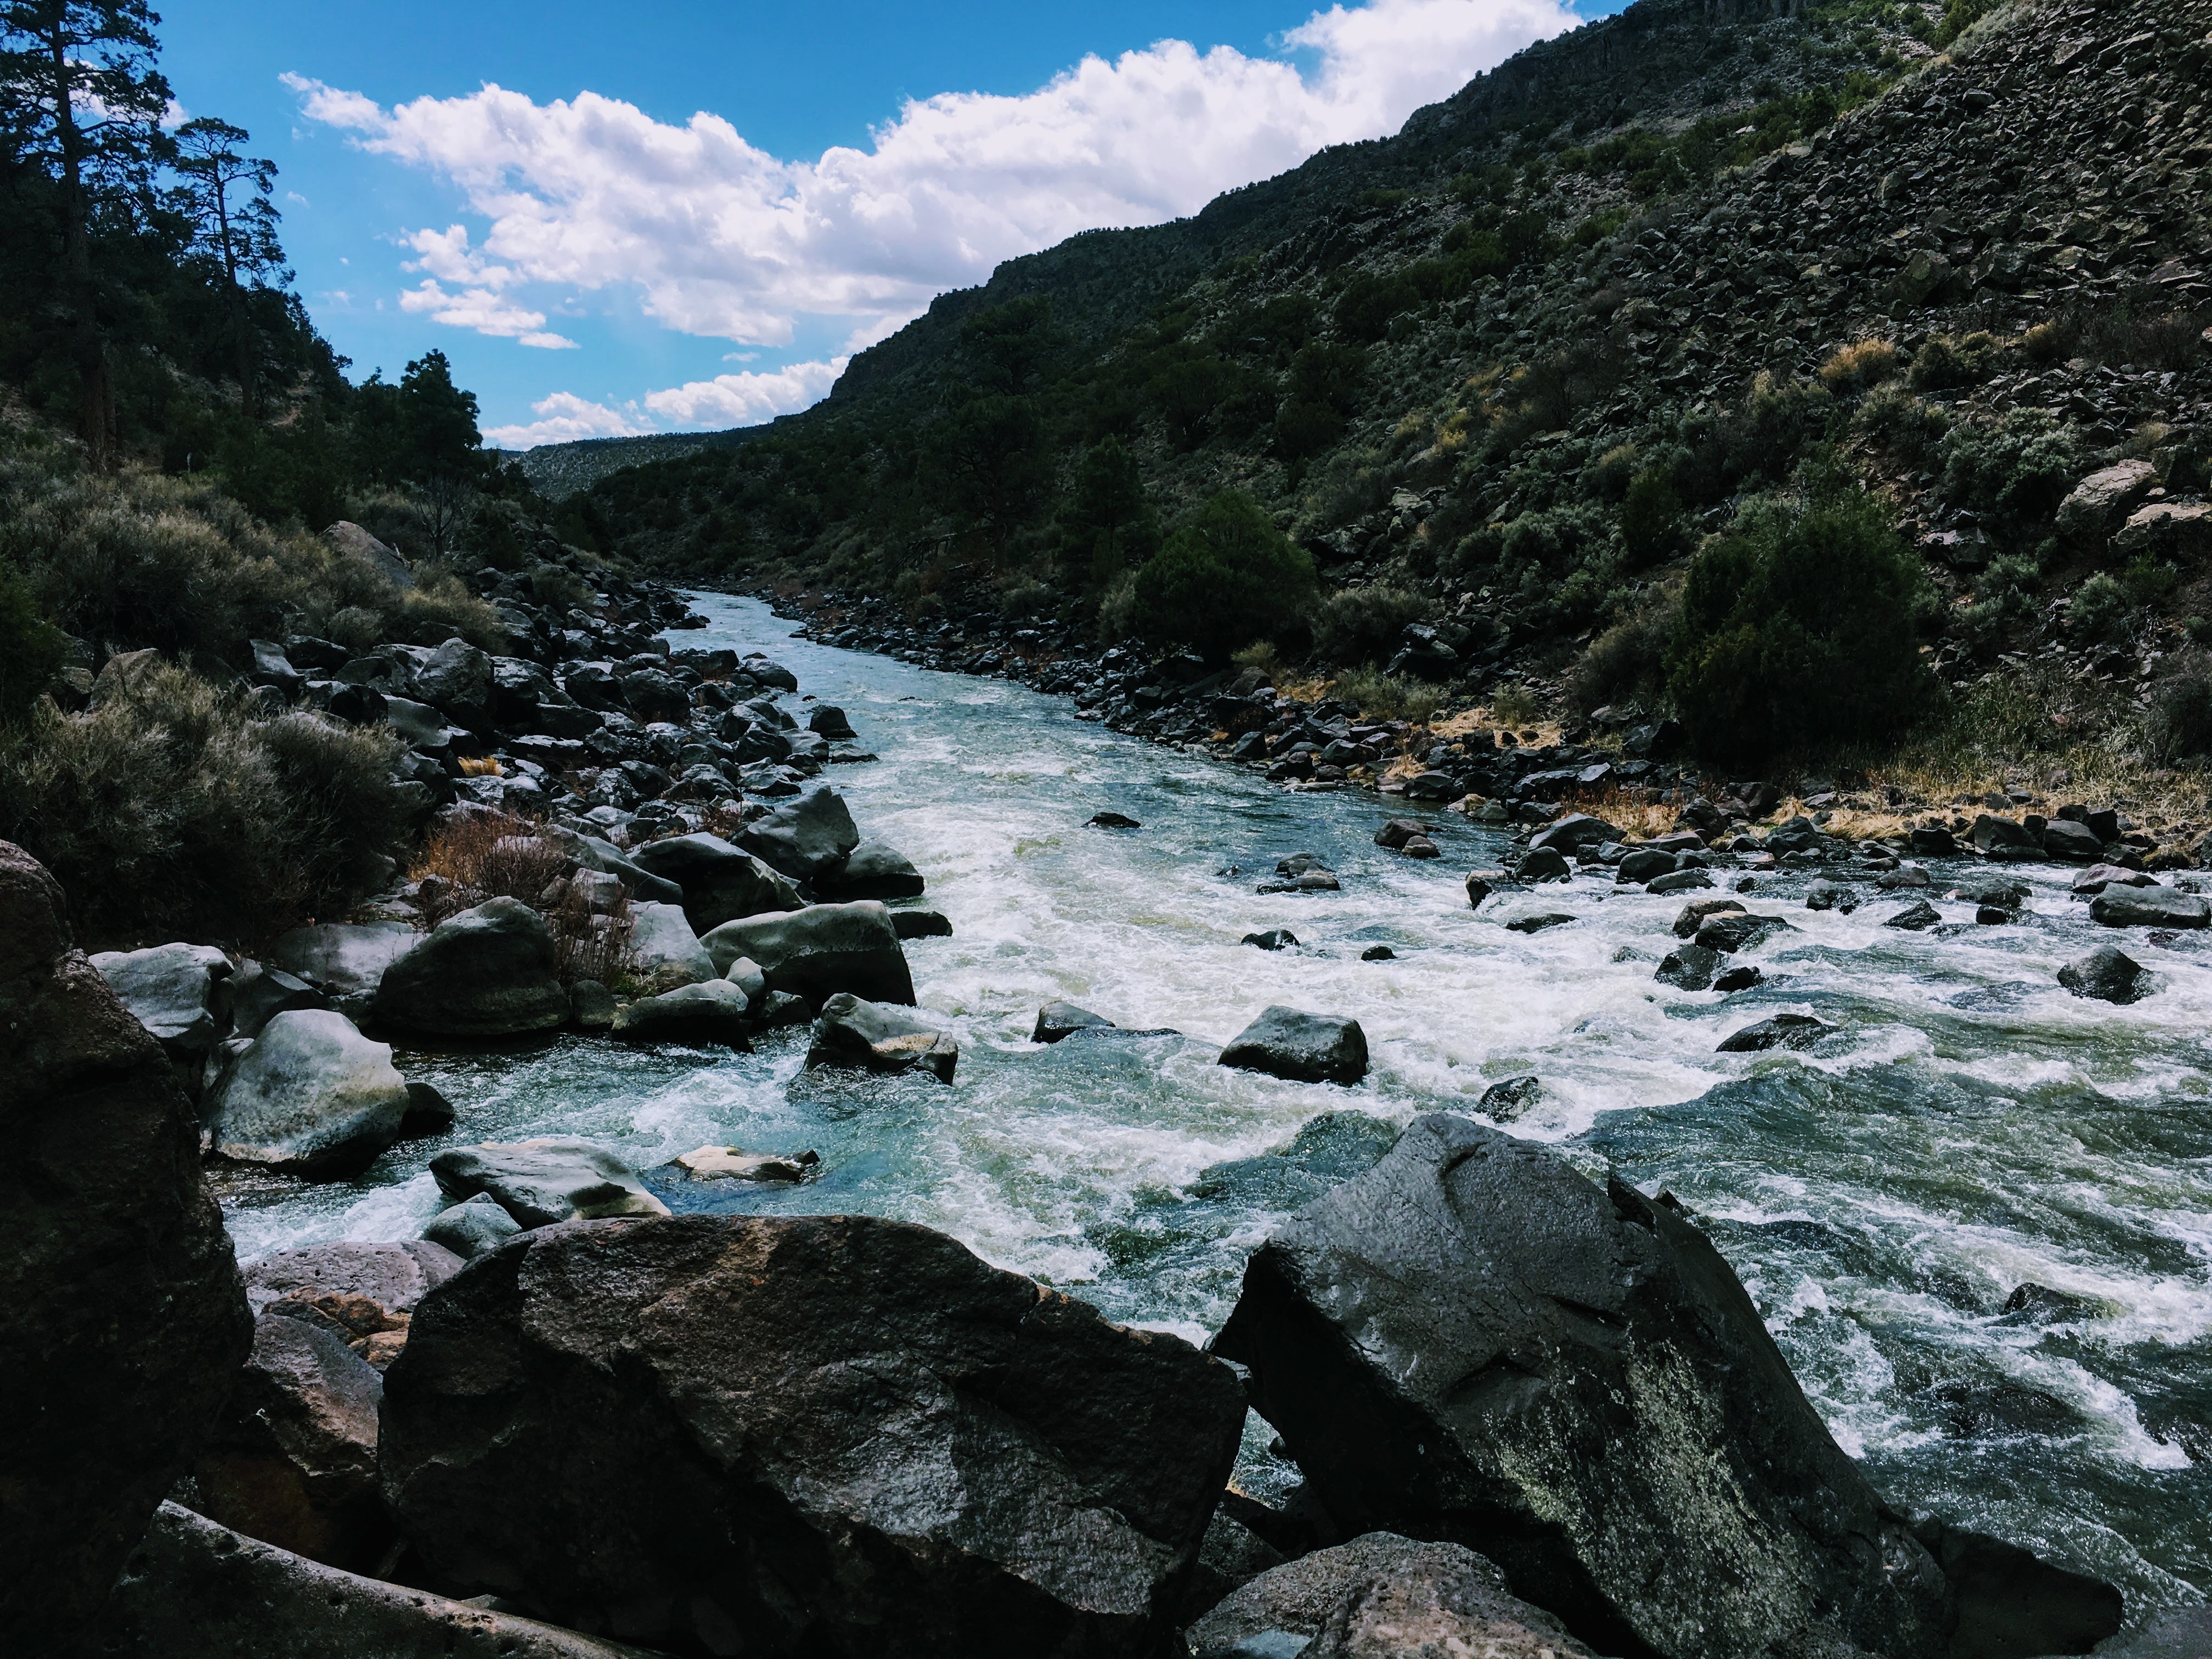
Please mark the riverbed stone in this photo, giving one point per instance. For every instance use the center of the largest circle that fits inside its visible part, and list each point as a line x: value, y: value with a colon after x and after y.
x: 664, y: 953
x: 1056, y: 1020
x: 1680, y: 881
x: 544, y: 1180
x: 1730, y: 933
x: 808, y: 836
x: 192, y: 1590
x: 2105, y: 973
x: 291, y: 1458
x: 1692, y: 916
x: 736, y: 1164
x: 713, y: 1012
x: 852, y: 1032
x: 1781, y: 1031
x: 1377, y: 1597
x: 1472, y: 1343
x: 808, y: 1430
x: 395, y: 1275
x: 820, y: 951
x: 487, y: 972
x: 921, y: 924
x: 121, y: 1316
x: 1689, y: 968
x: 719, y: 882
x: 313, y: 1097
x: 1542, y: 864
x: 2150, y: 906
x: 472, y: 1227
x: 872, y: 870
x: 1916, y: 918
x: 175, y: 991
x: 1274, y: 938
x: 1304, y: 1047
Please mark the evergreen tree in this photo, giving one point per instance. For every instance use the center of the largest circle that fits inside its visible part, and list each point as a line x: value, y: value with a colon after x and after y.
x: 440, y: 447
x: 80, y: 96
x: 1109, y: 513
x: 237, y: 231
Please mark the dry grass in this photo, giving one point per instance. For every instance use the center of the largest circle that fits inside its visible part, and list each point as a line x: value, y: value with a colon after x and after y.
x: 499, y: 855
x: 1862, y: 364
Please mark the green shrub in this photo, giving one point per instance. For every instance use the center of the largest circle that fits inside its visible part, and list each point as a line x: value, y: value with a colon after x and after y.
x: 2178, y: 716
x: 1360, y: 624
x: 171, y: 810
x: 1652, y: 519
x: 1515, y: 707
x: 30, y: 648
x: 2016, y: 468
x: 1628, y: 661
x: 1960, y: 15
x: 1896, y: 423
x: 1797, y: 631
x: 2102, y: 612
x: 1946, y: 363
x: 1224, y: 579
x: 1385, y: 696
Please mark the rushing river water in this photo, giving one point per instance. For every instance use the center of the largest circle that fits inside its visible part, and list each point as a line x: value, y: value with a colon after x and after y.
x: 1976, y: 1127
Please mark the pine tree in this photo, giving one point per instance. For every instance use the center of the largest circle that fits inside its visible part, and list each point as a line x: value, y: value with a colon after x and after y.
x: 81, y: 96
x: 238, y: 232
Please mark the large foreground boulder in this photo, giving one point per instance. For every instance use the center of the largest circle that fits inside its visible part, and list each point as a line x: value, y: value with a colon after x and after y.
x: 193, y: 1589
x: 718, y: 881
x: 832, y: 1435
x: 820, y: 951
x: 545, y: 1180
x: 1379, y: 1597
x: 868, y: 1037
x: 1304, y: 1047
x: 1472, y: 1343
x: 395, y: 1276
x: 291, y: 1459
x: 121, y: 1317
x: 486, y: 972
x: 313, y: 1097
x: 810, y: 833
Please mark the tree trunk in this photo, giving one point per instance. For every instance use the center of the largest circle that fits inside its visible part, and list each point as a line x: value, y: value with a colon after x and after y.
x: 249, y: 390
x: 96, y: 391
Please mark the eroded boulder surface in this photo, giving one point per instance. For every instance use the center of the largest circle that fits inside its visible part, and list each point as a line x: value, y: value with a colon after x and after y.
x: 487, y: 972
x: 121, y: 1314
x: 313, y: 1096
x: 395, y: 1276
x: 1302, y: 1048
x: 193, y: 1589
x: 545, y: 1180
x: 818, y: 952
x: 809, y: 834
x: 1472, y: 1343
x: 172, y: 990
x: 832, y: 1435
x: 869, y: 1037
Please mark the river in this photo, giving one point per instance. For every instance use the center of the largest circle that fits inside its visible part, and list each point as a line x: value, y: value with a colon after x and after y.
x: 1975, y: 1127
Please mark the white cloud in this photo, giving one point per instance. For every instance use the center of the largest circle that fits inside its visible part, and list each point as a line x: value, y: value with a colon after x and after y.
x: 483, y: 310
x: 563, y: 418
x: 726, y: 400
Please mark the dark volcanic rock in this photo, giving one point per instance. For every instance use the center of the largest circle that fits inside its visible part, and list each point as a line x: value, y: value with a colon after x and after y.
x: 2010, y: 1603
x: 1304, y: 1047
x: 875, y: 1038
x: 1916, y: 917
x: 808, y: 836
x: 2105, y: 973
x: 1379, y: 1596
x: 291, y: 1458
x: 1056, y: 1020
x: 719, y: 883
x: 1472, y: 1343
x: 192, y: 1590
x: 872, y: 871
x: 818, y: 952
x: 2149, y: 907
x: 1739, y: 933
x: 833, y: 1436
x: 1782, y: 1031
x: 1691, y: 968
x: 486, y: 972
x: 121, y: 1316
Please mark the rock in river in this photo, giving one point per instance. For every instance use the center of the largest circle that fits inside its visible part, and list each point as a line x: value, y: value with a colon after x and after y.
x: 803, y: 1433
x: 711, y: 1013
x: 471, y: 1227
x: 875, y: 1038
x: 313, y: 1097
x: 171, y: 990
x: 872, y: 871
x: 2149, y: 907
x: 1056, y: 1020
x: 808, y: 836
x: 486, y: 972
x: 820, y: 951
x: 545, y: 1180
x: 719, y: 883
x: 664, y: 953
x: 1783, y: 1031
x: 2105, y: 973
x: 121, y: 1317
x: 1304, y: 1047
x: 1472, y: 1343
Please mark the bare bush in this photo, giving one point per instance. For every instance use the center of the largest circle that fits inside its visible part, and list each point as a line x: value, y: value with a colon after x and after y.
x: 487, y: 855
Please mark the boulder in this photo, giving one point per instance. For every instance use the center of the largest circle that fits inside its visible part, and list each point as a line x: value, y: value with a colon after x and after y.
x: 717, y: 882
x: 1481, y: 885
x: 120, y: 1313
x: 2101, y: 501
x: 1826, y: 895
x: 595, y: 853
x: 853, y: 1033
x: 1274, y: 938
x: 1680, y: 881
x: 810, y: 833
x: 802, y: 1433
x: 1539, y: 922
x: 1917, y: 917
x: 2002, y: 838
x: 1689, y: 968
x: 2098, y: 877
x: 1643, y: 864
x: 456, y: 679
x: 1056, y: 1020
x: 2007, y: 1601
x: 1112, y: 821
x: 1506, y: 1101
x: 1378, y: 1597
x: 1472, y: 1343
x: 821, y: 951
x: 872, y: 870
x: 259, y: 992
x: 345, y: 962
x: 1727, y: 932
x: 1692, y: 916
x: 1304, y: 1047
x: 769, y: 673
x: 1394, y: 836
x: 736, y: 1164
x: 291, y: 1458
x: 395, y: 1276
x: 192, y: 1590
x: 921, y: 924
x: 831, y: 722
x: 2105, y: 974
x: 1782, y: 1031
x: 1544, y: 864
x: 2149, y: 907
x: 351, y: 540
x: 1573, y: 832
x: 272, y: 668
x: 313, y: 1097
x: 591, y: 1005
x: 174, y: 991
x: 712, y: 1012
x: 486, y: 972
x: 545, y: 1180
x: 664, y: 953
x: 472, y: 1227
x: 2063, y: 838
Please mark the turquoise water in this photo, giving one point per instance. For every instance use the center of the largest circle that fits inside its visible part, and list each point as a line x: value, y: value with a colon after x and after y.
x: 1974, y: 1128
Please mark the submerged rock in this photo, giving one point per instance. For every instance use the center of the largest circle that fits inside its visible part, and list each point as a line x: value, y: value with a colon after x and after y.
x: 1691, y: 968
x: 1275, y: 939
x: 1056, y: 1020
x: 875, y: 1038
x: 735, y: 1163
x: 808, y: 1431
x: 1917, y: 917
x: 1507, y: 1102
x: 1692, y: 916
x: 121, y: 1317
x: 921, y: 924
x: 1731, y: 932
x: 1782, y: 1031
x: 545, y: 1180
x: 1472, y: 1343
x: 1304, y: 1047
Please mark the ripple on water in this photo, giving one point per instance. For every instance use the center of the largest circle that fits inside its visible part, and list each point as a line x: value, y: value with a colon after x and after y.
x: 1973, y: 1127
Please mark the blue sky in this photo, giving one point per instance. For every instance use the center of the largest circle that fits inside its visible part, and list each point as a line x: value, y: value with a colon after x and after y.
x: 595, y: 260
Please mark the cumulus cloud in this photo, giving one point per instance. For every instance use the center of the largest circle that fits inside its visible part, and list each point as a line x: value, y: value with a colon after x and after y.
x: 716, y: 237
x: 727, y: 400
